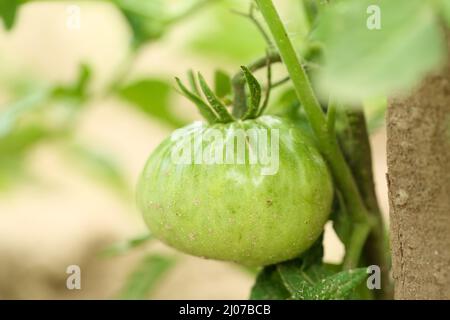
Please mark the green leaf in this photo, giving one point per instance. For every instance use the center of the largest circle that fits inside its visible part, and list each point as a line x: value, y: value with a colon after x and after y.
x: 147, y: 19
x: 122, y: 247
x: 319, y: 281
x: 363, y: 62
x: 216, y: 104
x: 153, y: 97
x: 222, y: 84
x: 294, y: 278
x: 338, y: 286
x: 300, y: 280
x: 255, y: 94
x: 100, y: 166
x: 228, y: 35
x: 142, y: 282
x: 269, y: 286
x: 8, y: 12
x: 203, y: 107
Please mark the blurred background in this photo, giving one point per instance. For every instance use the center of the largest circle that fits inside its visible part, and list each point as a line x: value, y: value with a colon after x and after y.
x: 86, y: 94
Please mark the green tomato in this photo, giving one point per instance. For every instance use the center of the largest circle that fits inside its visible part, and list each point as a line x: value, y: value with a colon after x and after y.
x: 250, y: 212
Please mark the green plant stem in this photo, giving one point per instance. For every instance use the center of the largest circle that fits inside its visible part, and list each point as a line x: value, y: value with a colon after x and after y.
x: 354, y: 141
x: 361, y: 231
x: 327, y: 140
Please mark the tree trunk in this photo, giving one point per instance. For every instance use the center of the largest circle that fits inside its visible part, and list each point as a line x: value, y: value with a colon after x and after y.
x: 418, y: 146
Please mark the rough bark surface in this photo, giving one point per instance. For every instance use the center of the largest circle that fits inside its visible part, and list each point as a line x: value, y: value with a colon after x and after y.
x: 418, y: 147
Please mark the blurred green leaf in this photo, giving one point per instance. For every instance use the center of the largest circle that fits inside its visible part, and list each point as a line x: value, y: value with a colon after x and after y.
x: 99, y: 165
x: 228, y: 35
x: 285, y: 104
x: 152, y: 96
x: 40, y: 112
x: 147, y: 19
x: 34, y: 98
x: 20, y: 140
x: 125, y: 246
x: 311, y: 10
x: 375, y: 110
x: 445, y: 6
x: 8, y: 12
x: 11, y: 113
x: 222, y: 83
x: 361, y: 62
x: 78, y: 89
x: 147, y: 275
x: 269, y: 286
x: 13, y: 150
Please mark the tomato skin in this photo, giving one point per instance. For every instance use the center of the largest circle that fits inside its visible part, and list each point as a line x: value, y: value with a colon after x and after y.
x: 232, y: 212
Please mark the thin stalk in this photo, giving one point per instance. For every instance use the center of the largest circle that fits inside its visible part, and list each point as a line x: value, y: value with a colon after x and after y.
x: 327, y: 140
x: 354, y: 141
x: 190, y: 11
x: 251, y: 15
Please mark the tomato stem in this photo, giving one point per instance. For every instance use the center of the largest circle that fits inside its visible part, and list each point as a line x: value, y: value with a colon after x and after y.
x: 354, y: 132
x: 329, y: 146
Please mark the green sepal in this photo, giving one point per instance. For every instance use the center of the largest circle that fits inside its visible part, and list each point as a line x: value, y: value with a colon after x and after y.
x: 193, y: 83
x: 203, y: 107
x: 222, y: 84
x: 255, y: 94
x: 216, y: 104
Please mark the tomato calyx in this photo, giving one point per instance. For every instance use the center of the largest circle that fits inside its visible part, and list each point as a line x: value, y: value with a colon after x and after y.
x: 214, y: 108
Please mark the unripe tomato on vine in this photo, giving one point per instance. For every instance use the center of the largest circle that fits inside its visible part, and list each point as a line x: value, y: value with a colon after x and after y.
x: 253, y: 190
